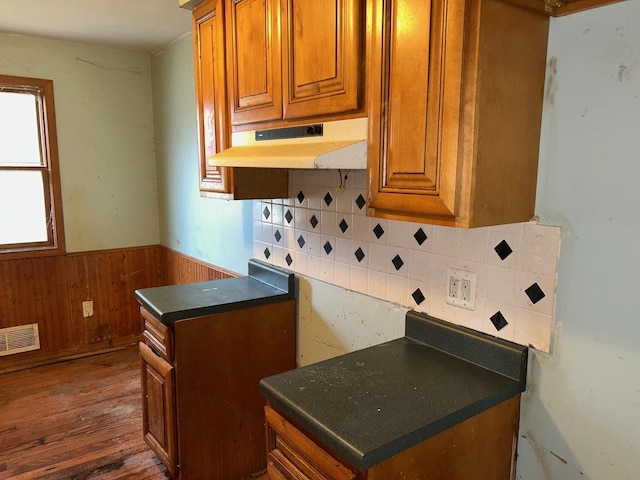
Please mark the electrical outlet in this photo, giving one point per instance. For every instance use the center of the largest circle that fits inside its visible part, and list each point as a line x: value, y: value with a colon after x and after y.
x: 87, y: 308
x: 461, y: 288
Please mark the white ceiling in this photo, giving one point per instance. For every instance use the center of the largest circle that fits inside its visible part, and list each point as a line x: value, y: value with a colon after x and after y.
x: 139, y: 25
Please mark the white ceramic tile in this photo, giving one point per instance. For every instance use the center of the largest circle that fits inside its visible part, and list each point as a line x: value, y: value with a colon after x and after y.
x: 289, y: 238
x: 315, y: 197
x: 343, y: 251
x: 277, y: 214
x: 343, y: 275
x: 509, y: 312
x: 400, y: 234
x: 265, y: 212
x: 297, y: 235
x: 257, y: 230
x: 358, y: 178
x: 539, y: 254
x: 331, y: 207
x: 354, y: 206
x: 364, y: 246
x: 403, y: 253
x: 495, y: 237
x: 313, y: 244
x: 344, y: 200
x: 278, y: 256
x: 534, y: 229
x: 511, y: 228
x: 287, y: 211
x: 267, y: 233
x: 396, y: 289
x: 348, y: 219
x: 300, y: 221
x: 501, y: 285
x: 534, y: 329
x: 472, y: 244
x: 418, y: 264
x: 327, y: 270
x: 300, y: 262
x: 327, y: 243
x: 257, y: 210
x: 296, y: 195
x: 313, y: 266
x: 425, y: 289
x: 377, y: 285
x: 426, y: 245
x: 378, y: 257
x: 548, y: 285
x: 384, y: 238
x: 258, y: 249
x: 311, y: 215
x: 359, y: 279
x: 438, y: 269
x: 278, y: 235
x: 328, y: 223
x: 445, y: 241
x: 360, y: 228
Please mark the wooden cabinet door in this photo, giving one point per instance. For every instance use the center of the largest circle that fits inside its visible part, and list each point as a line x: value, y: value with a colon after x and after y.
x: 321, y: 57
x: 158, y: 407
x: 415, y: 81
x: 253, y: 60
x: 211, y: 94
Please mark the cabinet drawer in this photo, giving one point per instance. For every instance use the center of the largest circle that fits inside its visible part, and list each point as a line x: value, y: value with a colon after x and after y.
x: 294, y: 456
x: 157, y: 335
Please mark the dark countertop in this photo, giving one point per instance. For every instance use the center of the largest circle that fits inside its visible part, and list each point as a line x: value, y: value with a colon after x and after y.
x: 264, y: 285
x: 371, y: 404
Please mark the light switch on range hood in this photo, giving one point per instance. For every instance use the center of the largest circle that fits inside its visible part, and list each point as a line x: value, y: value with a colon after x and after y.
x: 343, y: 145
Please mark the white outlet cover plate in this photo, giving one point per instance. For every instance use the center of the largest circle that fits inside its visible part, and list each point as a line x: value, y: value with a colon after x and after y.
x: 457, y: 298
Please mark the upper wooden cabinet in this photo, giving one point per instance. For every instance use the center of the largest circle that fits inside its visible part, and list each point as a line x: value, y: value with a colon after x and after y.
x: 214, y: 131
x: 456, y: 91
x: 294, y: 59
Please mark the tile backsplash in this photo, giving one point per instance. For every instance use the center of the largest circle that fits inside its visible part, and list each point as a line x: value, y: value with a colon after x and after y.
x: 322, y: 232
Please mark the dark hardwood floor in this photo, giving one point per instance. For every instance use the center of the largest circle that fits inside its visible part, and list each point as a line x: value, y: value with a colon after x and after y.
x: 76, y: 420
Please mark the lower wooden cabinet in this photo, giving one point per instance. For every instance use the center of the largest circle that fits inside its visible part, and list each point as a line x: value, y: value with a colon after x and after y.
x: 203, y: 415
x: 158, y: 399
x: 480, y: 448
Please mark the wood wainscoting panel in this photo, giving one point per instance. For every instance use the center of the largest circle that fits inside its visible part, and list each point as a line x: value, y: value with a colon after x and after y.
x: 49, y: 291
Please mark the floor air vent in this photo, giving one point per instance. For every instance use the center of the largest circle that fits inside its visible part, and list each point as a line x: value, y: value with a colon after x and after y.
x: 19, y: 339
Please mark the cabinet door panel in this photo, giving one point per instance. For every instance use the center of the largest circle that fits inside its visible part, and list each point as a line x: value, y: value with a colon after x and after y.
x: 415, y: 85
x: 211, y: 95
x: 254, y: 61
x: 322, y: 48
x: 158, y: 407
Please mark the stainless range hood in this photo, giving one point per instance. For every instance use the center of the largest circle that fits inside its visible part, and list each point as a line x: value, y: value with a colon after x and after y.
x: 341, y: 145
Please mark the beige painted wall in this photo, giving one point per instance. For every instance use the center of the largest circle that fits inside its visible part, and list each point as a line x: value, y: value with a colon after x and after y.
x: 105, y: 135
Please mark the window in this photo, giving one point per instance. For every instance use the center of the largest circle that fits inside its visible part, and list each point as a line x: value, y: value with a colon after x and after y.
x: 30, y: 199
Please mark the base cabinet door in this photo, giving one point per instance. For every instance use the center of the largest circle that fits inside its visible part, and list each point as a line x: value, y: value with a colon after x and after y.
x: 158, y: 407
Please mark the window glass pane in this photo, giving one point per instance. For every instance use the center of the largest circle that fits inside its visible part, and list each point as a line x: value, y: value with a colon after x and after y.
x: 22, y: 207
x: 19, y: 138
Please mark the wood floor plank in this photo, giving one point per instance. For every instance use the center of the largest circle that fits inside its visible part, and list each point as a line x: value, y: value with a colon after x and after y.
x: 76, y: 420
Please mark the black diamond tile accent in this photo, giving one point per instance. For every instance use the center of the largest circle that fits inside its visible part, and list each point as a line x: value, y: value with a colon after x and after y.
x: 288, y: 259
x: 313, y: 221
x: 300, y: 196
x: 266, y: 213
x: 344, y: 226
x: 378, y: 231
x: 327, y: 248
x: 328, y: 199
x: 277, y: 235
x: 420, y: 236
x: 301, y: 241
x: 288, y: 216
x: 267, y: 253
x: 535, y: 293
x: 503, y: 249
x: 397, y: 262
x: 498, y: 320
x: 359, y: 254
x: 360, y: 201
x: 418, y: 296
